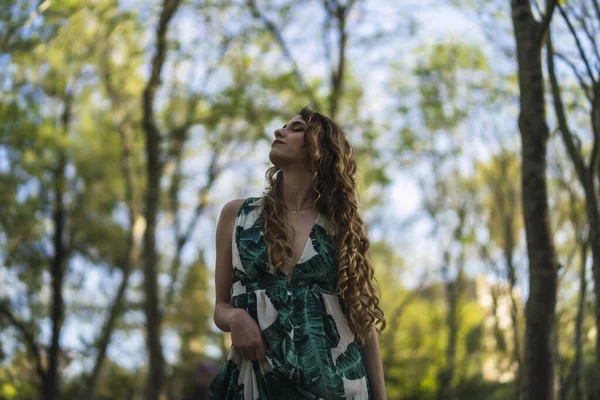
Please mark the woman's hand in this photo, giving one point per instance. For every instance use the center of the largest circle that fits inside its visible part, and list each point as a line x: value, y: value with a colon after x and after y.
x: 246, y: 335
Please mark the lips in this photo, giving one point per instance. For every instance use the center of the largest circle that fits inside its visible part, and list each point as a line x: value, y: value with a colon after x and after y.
x: 277, y: 142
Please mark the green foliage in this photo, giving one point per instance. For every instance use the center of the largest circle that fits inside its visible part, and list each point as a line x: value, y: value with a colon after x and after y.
x: 441, y: 73
x: 419, y: 345
x: 498, y: 180
x: 117, y: 383
x: 17, y: 381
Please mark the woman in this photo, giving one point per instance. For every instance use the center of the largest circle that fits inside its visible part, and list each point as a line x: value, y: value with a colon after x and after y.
x: 294, y: 283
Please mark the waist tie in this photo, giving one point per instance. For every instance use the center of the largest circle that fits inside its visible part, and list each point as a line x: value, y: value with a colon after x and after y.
x: 281, y: 283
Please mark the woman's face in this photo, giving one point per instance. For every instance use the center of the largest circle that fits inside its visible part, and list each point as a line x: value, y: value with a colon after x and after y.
x: 287, y: 147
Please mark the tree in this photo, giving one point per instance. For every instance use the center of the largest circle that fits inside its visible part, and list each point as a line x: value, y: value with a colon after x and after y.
x: 152, y: 200
x: 530, y: 35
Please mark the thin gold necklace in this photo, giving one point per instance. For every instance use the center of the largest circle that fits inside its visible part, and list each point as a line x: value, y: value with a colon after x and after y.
x: 300, y: 209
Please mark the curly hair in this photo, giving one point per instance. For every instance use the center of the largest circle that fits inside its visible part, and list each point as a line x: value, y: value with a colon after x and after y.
x: 332, y: 166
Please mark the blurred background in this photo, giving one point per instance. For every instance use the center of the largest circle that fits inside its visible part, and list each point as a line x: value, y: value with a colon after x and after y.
x: 125, y: 126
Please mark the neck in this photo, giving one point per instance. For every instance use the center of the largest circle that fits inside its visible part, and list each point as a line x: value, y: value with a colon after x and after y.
x: 297, y: 189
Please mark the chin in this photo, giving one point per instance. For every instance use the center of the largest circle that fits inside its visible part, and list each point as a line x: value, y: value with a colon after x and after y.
x: 274, y: 159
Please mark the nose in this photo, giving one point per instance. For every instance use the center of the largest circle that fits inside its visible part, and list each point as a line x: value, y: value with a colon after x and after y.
x: 278, y: 134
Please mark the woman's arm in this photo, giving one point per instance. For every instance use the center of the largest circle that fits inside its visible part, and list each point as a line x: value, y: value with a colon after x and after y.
x: 372, y: 361
x: 224, y: 265
x: 245, y: 333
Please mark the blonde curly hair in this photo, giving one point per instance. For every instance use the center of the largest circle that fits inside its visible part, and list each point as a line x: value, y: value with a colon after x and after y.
x: 333, y: 168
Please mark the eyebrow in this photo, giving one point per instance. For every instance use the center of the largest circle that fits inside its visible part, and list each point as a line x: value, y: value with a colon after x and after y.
x: 296, y: 123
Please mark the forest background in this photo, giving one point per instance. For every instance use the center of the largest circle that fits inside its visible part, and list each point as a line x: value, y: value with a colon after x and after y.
x: 125, y: 126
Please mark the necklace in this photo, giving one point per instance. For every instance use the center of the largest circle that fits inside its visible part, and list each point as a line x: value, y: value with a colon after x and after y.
x: 300, y: 209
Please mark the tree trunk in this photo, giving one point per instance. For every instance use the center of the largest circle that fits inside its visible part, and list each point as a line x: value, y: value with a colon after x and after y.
x: 151, y: 303
x: 337, y: 75
x: 339, y: 12
x: 129, y: 257
x: 152, y: 200
x: 595, y: 227
x: 57, y: 270
x: 541, y: 304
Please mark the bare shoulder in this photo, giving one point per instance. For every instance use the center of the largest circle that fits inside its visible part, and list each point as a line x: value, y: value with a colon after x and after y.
x: 230, y: 210
x: 232, y: 206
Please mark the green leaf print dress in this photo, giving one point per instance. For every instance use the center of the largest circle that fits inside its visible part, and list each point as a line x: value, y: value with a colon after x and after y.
x: 311, y: 353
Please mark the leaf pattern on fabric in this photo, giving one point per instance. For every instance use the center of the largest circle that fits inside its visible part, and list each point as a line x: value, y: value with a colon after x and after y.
x: 225, y: 386
x: 297, y: 328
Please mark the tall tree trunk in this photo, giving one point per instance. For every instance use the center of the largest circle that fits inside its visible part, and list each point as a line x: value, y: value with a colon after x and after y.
x: 117, y: 305
x: 57, y: 270
x: 595, y: 226
x: 154, y: 172
x: 151, y: 303
x: 541, y: 304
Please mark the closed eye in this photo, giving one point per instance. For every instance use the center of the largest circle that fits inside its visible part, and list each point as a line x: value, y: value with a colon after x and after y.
x: 299, y: 127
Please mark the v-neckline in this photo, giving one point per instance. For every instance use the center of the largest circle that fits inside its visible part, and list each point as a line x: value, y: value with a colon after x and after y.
x: 312, y: 228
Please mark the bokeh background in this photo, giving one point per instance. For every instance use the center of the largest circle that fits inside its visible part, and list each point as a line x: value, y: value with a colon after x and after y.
x: 125, y: 126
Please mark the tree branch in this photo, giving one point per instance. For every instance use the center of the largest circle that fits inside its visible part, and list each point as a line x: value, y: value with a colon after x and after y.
x: 563, y: 123
x: 182, y: 239
x: 578, y: 43
x: 597, y: 8
x: 28, y: 337
x: 288, y: 55
x: 586, y: 28
x: 43, y: 6
x: 582, y: 84
x: 169, y: 8
x: 545, y: 24
x: 155, y: 376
